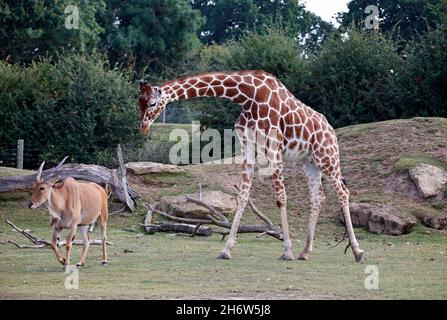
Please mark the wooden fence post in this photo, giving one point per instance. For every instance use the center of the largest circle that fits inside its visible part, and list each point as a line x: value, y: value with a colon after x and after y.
x: 20, y: 146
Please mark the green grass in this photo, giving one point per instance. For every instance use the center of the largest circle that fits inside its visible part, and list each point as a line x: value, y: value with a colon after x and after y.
x: 405, y: 163
x: 160, y: 131
x: 6, y: 172
x: 176, y: 266
x: 355, y: 131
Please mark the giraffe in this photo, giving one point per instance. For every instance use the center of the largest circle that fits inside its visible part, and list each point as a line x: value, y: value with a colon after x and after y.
x: 301, y: 134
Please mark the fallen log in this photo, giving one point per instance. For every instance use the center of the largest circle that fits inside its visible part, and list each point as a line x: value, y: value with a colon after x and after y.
x: 261, y: 229
x: 114, y: 178
x: 191, y: 229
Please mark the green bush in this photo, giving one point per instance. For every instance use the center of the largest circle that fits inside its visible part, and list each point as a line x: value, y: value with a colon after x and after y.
x: 353, y: 80
x: 273, y: 52
x: 423, y: 79
x: 76, y: 107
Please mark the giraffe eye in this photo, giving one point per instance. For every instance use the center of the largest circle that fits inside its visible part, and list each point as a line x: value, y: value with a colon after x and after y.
x: 153, y: 104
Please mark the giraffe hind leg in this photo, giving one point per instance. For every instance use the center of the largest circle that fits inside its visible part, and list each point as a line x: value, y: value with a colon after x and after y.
x: 343, y: 198
x: 313, y: 176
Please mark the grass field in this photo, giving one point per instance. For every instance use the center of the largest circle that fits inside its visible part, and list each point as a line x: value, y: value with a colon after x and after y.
x: 161, y: 266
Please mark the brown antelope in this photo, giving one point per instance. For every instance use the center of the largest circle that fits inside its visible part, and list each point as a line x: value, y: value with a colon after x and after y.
x: 72, y: 204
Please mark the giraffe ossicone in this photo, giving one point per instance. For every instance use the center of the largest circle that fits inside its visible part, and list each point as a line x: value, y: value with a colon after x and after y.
x: 301, y: 134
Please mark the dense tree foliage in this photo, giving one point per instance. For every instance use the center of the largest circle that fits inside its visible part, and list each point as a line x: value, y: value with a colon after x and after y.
x: 151, y: 34
x: 422, y: 87
x: 353, y: 81
x: 401, y: 19
x: 33, y: 28
x: 233, y: 19
x: 73, y: 91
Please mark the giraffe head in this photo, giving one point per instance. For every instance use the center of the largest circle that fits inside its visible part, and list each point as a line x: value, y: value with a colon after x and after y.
x: 152, y: 101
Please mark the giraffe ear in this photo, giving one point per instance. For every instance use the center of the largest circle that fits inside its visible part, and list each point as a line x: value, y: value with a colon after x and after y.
x: 144, y: 84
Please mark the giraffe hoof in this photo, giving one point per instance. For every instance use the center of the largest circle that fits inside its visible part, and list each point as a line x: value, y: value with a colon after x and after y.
x: 104, y: 263
x: 79, y: 265
x: 286, y: 257
x: 62, y: 261
x: 358, y: 255
x: 303, y: 256
x: 224, y: 255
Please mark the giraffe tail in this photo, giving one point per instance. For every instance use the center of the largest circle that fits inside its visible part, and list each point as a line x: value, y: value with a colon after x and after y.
x: 344, y: 181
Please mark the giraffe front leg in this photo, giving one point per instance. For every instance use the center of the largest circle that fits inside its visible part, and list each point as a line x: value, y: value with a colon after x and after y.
x: 313, y: 176
x: 247, y: 175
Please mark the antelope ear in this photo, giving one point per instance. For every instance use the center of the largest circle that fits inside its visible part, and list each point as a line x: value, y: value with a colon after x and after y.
x: 54, y: 180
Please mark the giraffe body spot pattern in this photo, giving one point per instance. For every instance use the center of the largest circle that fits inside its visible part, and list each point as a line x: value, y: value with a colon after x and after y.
x: 288, y: 130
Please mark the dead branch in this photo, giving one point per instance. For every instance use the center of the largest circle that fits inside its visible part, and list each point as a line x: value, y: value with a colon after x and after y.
x: 195, y: 230
x: 208, y: 207
x: 24, y: 246
x: 252, y: 228
x: 41, y: 243
x: 118, y: 211
x: 28, y: 235
x: 193, y: 221
x: 259, y: 213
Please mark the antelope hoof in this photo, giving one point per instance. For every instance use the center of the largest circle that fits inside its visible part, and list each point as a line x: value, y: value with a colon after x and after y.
x: 303, y: 256
x: 79, y: 265
x: 224, y: 255
x: 286, y: 257
x: 104, y: 263
x: 358, y: 255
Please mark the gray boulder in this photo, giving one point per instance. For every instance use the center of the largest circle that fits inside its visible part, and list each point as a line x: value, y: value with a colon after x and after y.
x: 435, y: 222
x: 180, y: 207
x: 429, y: 179
x: 380, y: 219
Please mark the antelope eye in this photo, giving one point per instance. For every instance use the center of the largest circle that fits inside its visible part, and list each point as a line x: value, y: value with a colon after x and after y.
x: 41, y: 188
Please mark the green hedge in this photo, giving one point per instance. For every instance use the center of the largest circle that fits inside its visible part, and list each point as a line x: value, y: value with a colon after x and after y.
x: 77, y: 106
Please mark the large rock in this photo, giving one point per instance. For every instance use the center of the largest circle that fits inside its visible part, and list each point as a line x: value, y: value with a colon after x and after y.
x: 380, y: 219
x: 180, y: 207
x: 429, y: 179
x: 139, y: 168
x: 435, y: 222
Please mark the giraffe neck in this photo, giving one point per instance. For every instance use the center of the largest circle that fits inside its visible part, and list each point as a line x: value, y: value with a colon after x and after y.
x: 240, y: 87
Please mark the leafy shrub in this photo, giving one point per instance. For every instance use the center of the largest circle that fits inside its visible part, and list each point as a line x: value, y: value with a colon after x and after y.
x: 76, y: 107
x: 423, y: 79
x: 353, y: 80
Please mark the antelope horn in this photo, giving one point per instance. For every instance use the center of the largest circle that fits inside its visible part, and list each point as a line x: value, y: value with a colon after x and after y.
x: 39, y: 172
x: 61, y: 163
